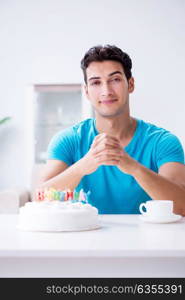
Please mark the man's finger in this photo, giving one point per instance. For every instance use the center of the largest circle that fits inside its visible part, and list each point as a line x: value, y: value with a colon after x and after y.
x: 109, y: 139
x: 108, y: 150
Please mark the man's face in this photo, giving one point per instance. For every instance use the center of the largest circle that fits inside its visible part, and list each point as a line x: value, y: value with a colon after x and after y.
x: 107, y: 88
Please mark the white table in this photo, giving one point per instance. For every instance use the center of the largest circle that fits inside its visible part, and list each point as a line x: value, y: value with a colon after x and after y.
x: 123, y: 247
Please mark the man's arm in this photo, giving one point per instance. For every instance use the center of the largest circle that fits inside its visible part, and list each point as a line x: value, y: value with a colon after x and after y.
x: 169, y: 184
x: 57, y: 174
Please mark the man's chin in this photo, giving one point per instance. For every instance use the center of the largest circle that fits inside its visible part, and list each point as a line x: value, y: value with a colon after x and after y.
x: 109, y: 115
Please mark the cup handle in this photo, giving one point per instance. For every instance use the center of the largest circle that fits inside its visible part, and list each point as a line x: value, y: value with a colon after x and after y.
x: 141, y: 208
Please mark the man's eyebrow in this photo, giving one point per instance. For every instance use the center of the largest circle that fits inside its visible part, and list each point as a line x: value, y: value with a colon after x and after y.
x: 91, y: 78
x: 116, y: 72
x: 113, y: 73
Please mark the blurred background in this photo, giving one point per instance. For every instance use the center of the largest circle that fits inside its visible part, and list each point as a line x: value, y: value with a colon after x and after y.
x: 42, y: 43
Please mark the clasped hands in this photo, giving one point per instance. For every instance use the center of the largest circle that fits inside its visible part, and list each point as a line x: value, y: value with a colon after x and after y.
x: 107, y: 150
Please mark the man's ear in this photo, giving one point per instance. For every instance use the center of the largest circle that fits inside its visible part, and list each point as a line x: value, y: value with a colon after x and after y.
x: 131, y: 85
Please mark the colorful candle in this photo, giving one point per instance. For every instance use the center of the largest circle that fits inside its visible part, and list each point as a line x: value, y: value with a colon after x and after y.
x: 81, y: 195
x: 70, y: 195
x: 62, y: 195
x: 66, y: 195
x: 76, y: 195
x: 40, y: 195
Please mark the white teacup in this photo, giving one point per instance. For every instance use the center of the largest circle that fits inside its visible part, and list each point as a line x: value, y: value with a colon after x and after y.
x: 157, y: 208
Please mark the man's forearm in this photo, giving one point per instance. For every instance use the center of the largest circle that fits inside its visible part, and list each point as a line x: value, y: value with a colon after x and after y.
x: 68, y: 179
x: 160, y: 188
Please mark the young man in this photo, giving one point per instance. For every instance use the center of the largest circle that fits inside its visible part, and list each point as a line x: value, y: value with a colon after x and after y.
x: 121, y: 160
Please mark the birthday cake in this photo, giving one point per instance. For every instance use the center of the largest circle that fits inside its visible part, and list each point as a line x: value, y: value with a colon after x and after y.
x: 58, y: 211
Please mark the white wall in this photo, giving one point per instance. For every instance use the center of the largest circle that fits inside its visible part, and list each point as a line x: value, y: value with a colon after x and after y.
x: 43, y: 41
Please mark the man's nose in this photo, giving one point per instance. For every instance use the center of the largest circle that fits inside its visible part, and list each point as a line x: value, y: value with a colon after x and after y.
x: 106, y: 89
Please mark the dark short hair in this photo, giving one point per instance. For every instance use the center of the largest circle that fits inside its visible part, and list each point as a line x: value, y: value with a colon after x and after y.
x: 108, y: 52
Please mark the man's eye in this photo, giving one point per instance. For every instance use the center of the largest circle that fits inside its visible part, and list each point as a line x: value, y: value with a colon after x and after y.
x: 95, y: 82
x: 117, y: 79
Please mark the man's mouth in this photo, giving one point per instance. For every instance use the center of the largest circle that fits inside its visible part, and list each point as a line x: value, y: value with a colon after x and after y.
x: 108, y: 101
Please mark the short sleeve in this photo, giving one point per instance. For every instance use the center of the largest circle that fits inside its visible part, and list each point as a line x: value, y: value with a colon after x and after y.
x: 62, y: 146
x: 169, y: 149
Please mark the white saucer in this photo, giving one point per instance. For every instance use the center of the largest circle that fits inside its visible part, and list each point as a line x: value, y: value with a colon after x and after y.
x: 167, y: 219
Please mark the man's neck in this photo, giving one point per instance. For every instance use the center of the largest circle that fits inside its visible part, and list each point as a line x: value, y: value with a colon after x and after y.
x: 121, y: 127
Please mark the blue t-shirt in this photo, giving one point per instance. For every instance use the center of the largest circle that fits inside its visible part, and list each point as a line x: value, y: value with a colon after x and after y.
x: 112, y: 191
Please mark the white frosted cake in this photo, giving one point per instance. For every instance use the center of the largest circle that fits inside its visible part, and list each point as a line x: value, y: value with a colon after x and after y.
x: 57, y: 216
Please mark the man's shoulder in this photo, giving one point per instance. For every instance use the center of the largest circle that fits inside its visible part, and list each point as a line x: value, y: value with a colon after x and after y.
x: 157, y: 133
x: 78, y: 129
x: 153, y: 129
x: 71, y: 135
x: 83, y: 125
